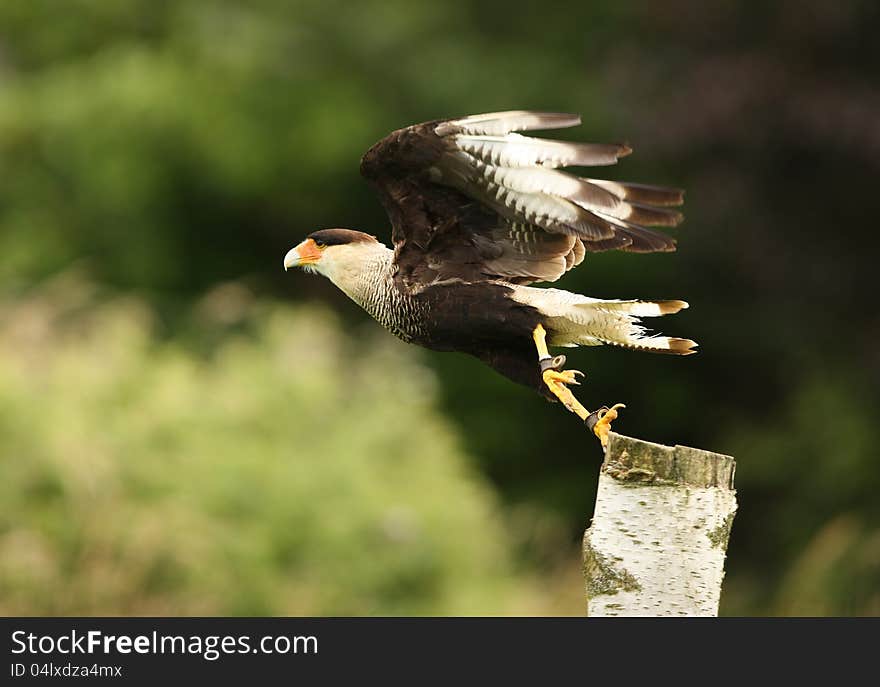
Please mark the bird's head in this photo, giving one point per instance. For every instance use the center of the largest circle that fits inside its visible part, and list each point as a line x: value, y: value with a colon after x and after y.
x: 330, y: 251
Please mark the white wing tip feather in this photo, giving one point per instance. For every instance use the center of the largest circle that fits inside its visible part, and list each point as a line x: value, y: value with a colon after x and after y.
x: 500, y: 123
x: 520, y: 178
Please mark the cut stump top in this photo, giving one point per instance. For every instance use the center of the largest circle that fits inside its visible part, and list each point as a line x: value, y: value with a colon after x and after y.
x: 643, y: 462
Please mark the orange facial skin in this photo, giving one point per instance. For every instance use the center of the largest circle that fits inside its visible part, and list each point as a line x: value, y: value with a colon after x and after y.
x: 308, y: 252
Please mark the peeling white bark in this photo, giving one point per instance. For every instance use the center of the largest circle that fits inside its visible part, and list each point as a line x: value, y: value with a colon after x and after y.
x: 658, y: 538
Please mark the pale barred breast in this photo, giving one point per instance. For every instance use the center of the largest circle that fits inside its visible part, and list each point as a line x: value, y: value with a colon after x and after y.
x: 400, y: 313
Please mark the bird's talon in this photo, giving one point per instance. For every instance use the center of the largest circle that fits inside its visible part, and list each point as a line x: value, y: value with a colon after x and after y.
x: 563, y: 376
x: 599, y: 422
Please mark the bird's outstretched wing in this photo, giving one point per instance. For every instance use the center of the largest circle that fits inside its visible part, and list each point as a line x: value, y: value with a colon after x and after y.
x: 470, y: 199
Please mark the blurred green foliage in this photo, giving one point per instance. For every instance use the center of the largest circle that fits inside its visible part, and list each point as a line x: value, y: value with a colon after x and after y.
x: 163, y: 148
x: 142, y: 478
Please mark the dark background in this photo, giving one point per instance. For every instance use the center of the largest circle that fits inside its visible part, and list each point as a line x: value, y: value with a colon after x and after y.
x: 159, y: 158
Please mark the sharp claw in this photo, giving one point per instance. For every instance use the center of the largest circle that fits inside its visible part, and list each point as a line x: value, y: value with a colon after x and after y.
x: 600, y: 422
x: 564, y: 377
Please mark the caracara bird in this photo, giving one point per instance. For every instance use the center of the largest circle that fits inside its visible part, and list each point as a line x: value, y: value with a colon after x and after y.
x: 478, y: 212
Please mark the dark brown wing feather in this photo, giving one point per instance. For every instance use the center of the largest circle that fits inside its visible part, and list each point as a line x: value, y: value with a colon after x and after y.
x: 468, y: 199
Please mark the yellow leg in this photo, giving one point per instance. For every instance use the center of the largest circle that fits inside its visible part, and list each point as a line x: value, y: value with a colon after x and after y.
x: 539, y: 336
x: 557, y: 381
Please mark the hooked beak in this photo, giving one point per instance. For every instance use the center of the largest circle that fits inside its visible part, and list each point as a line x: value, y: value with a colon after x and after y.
x: 306, y: 253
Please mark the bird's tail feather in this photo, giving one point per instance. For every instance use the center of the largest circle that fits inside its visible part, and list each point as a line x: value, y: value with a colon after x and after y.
x: 617, y: 323
x: 575, y: 320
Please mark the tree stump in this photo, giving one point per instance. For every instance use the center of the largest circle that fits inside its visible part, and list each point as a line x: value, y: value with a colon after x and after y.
x: 658, y: 538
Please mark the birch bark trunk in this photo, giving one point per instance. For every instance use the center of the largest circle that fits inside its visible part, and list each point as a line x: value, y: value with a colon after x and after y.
x: 658, y: 538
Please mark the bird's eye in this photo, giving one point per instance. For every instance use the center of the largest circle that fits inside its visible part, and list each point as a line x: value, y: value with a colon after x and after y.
x: 320, y: 244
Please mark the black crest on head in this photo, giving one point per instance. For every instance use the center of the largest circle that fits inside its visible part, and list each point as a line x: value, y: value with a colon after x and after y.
x: 337, y: 237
